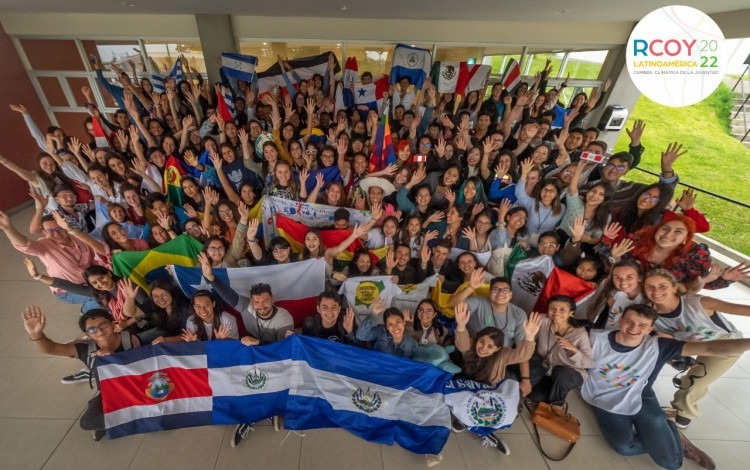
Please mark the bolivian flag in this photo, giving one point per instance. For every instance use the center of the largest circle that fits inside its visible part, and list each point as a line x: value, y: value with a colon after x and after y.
x: 173, y: 174
x: 294, y: 232
x: 141, y: 266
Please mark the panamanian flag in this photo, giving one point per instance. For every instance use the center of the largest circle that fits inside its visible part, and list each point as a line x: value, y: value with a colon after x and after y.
x: 313, y: 383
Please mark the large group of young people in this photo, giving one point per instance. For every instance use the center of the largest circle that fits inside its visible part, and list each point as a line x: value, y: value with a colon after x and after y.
x: 632, y: 242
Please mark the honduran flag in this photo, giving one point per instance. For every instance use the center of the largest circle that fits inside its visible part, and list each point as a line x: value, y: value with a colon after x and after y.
x: 239, y: 66
x: 483, y: 408
x: 411, y: 62
x: 295, y: 286
x: 371, y: 95
x: 512, y: 76
x: 305, y: 68
x: 383, y: 153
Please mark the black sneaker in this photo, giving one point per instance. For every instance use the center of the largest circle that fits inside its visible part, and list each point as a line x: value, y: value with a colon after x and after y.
x: 241, y: 432
x: 492, y: 441
x: 99, y: 434
x: 457, y: 426
x: 83, y: 375
x: 681, y: 421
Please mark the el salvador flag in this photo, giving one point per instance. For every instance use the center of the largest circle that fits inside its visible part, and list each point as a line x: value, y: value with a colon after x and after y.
x: 483, y: 408
x: 239, y: 66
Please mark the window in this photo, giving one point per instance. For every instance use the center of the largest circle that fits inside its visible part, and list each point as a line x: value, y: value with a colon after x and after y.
x: 267, y: 52
x: 584, y: 65
x: 165, y: 54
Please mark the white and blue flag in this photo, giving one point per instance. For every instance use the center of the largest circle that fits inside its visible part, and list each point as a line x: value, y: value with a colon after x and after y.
x: 239, y: 66
x: 414, y: 63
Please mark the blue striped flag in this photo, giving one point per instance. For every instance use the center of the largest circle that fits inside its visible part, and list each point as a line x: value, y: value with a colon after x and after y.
x: 314, y: 383
x: 410, y: 62
x: 239, y: 66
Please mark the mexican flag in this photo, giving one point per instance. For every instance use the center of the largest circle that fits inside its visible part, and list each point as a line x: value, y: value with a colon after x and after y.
x: 459, y: 77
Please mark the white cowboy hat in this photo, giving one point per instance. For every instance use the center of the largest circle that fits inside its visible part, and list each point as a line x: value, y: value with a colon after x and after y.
x: 382, y: 183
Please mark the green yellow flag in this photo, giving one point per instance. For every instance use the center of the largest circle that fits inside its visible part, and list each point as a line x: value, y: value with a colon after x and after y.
x: 136, y: 265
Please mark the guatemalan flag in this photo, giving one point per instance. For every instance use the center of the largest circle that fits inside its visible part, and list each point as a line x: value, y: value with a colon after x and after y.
x: 313, y: 383
x: 239, y: 66
x: 412, y: 62
x: 295, y: 286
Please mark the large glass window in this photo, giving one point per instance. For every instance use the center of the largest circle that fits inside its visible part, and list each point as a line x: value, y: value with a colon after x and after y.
x: 165, y: 54
x: 267, y: 52
x: 584, y: 65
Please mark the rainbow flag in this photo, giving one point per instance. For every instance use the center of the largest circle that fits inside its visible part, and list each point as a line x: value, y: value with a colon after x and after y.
x: 141, y: 266
x: 383, y: 153
x: 173, y: 174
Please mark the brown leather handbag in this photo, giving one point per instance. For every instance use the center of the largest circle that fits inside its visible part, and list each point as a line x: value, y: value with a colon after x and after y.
x: 557, y: 421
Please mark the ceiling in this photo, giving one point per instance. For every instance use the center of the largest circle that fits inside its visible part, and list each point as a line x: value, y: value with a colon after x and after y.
x: 529, y: 10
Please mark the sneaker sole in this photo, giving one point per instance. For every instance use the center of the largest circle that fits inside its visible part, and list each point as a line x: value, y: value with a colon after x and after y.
x: 681, y: 426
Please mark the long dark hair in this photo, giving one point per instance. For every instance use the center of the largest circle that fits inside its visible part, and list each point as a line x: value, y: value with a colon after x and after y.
x: 435, y: 324
x: 101, y: 296
x: 556, y: 205
x: 480, y: 368
x: 632, y: 222
x: 113, y: 245
x: 170, y: 323
x: 56, y: 177
x: 198, y: 322
x: 603, y: 211
x: 305, y: 251
x: 354, y: 270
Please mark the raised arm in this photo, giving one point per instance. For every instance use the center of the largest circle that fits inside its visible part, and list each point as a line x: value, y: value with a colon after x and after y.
x: 27, y: 175
x: 97, y: 246
x: 34, y: 322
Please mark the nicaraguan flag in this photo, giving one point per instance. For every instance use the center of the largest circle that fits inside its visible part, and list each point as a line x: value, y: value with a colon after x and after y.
x: 483, y: 408
x: 412, y: 62
x: 295, y: 286
x: 239, y: 66
x: 378, y: 397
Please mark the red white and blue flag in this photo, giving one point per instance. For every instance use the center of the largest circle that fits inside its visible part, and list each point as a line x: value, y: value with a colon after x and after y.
x: 512, y: 76
x: 371, y: 95
x: 298, y: 297
x: 313, y: 383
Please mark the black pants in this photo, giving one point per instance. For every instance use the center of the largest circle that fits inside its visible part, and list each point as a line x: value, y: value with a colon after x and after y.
x: 554, y: 387
x: 93, y: 417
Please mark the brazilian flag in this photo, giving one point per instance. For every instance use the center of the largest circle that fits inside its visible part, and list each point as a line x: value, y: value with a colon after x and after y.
x: 142, y: 267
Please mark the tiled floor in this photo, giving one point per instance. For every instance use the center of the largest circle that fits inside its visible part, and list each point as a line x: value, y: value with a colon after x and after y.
x: 39, y: 428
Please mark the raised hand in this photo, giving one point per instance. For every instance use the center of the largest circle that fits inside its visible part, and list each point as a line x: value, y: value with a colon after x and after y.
x: 408, y: 317
x: 244, y: 136
x: 435, y: 217
x: 526, y: 167
x: 39, y: 199
x: 34, y: 321
x: 128, y: 289
x: 668, y: 157
x: 462, y: 316
x: 349, y: 320
x: 612, y: 230
x: 215, y: 160
x: 450, y: 196
x: 687, y: 201
x: 190, y: 158
x: 417, y: 177
x: 189, y: 210
x: 470, y: 233
x: 61, y: 220
x: 206, y: 268
x: 577, y: 229
x: 163, y: 221
x: 440, y: 147
x: 623, y: 246
x: 502, y: 210
x: 737, y: 273
x: 252, y: 229
x: 531, y: 326
x: 390, y: 259
x: 139, y: 166
x: 477, y: 208
x: 477, y: 278
x: 19, y: 108
x: 636, y: 132
x: 378, y: 306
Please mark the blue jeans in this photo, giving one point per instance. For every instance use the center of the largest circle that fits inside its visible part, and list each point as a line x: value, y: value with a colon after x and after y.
x: 646, y: 432
x: 88, y: 303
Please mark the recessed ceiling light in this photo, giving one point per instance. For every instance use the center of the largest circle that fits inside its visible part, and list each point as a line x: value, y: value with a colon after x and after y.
x: 342, y: 8
x: 265, y: 43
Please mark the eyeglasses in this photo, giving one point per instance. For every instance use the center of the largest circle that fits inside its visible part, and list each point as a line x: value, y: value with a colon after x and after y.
x: 654, y: 198
x: 549, y: 190
x: 194, y: 229
x: 500, y: 290
x: 483, y: 223
x: 425, y: 145
x: 425, y: 310
x: 310, y: 152
x: 612, y: 166
x: 55, y: 230
x: 547, y: 245
x: 92, y: 330
x: 216, y: 248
